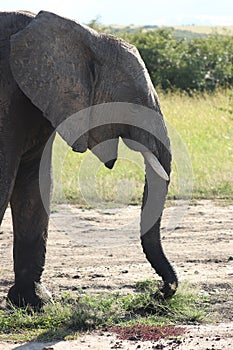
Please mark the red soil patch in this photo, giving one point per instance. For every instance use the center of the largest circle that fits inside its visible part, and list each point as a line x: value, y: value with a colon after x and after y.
x: 146, y: 332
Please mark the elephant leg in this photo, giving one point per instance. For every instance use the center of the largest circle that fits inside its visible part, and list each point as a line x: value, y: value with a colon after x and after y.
x: 153, y: 203
x: 5, y: 190
x: 30, y: 226
x: 8, y: 171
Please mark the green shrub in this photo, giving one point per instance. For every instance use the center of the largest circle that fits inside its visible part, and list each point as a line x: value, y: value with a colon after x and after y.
x: 199, y: 64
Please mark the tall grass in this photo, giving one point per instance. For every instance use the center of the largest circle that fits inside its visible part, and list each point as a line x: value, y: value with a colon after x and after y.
x: 205, y: 125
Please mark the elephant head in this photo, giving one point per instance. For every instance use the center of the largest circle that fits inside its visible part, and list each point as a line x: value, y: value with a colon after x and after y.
x: 65, y: 68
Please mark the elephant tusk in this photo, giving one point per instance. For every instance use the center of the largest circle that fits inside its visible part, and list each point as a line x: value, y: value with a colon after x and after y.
x: 155, y: 165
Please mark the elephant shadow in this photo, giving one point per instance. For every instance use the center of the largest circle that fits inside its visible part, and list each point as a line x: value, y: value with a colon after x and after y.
x: 34, y: 346
x: 40, y: 343
x: 37, y: 345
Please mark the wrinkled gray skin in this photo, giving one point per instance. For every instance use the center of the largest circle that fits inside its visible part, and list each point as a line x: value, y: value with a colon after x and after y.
x: 50, y: 68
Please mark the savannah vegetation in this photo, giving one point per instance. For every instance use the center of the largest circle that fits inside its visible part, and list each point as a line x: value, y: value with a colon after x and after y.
x: 75, y: 313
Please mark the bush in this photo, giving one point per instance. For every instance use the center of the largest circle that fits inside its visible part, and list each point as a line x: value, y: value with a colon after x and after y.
x: 191, y: 65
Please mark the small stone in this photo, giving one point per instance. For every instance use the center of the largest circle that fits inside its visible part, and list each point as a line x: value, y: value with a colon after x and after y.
x: 132, y: 338
x: 158, y: 346
x: 96, y: 275
x: 74, y: 288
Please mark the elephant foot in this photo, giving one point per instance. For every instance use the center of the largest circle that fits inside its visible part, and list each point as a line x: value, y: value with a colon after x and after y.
x: 35, y: 296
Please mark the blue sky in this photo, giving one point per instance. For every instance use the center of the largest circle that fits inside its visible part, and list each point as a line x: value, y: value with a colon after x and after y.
x: 139, y: 12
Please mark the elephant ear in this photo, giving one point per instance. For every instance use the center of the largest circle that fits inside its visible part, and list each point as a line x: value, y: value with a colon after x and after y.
x: 54, y: 65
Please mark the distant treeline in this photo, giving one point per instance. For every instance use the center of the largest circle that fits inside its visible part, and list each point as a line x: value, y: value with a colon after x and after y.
x: 198, y: 64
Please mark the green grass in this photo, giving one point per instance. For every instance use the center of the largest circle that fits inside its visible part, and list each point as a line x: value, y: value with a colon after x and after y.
x: 77, y: 313
x: 201, y: 132
x: 82, y: 179
x: 205, y: 124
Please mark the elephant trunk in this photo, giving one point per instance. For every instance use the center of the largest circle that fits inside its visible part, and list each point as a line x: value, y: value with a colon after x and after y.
x: 155, y: 255
x: 152, y: 207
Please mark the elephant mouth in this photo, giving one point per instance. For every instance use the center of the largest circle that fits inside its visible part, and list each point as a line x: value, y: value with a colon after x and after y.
x: 81, y: 144
x: 106, y: 151
x: 110, y: 164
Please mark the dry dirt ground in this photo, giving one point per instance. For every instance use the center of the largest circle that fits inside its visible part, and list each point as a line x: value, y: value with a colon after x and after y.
x: 99, y: 250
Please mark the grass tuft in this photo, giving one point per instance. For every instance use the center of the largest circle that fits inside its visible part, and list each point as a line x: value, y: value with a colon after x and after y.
x: 72, y: 314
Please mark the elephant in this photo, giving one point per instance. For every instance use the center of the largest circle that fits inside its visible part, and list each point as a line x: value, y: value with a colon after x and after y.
x: 52, y: 68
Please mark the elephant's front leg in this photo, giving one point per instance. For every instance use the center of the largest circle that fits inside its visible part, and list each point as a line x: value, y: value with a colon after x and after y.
x: 30, y: 225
